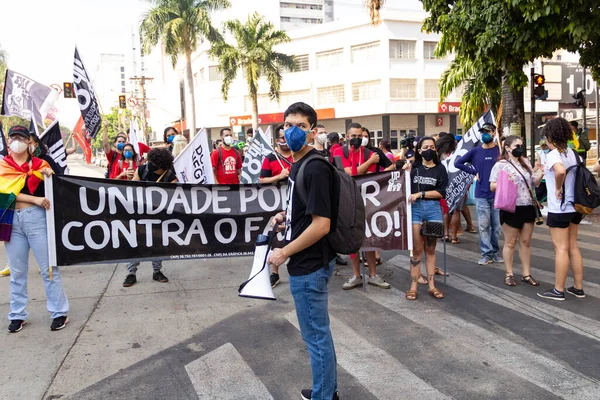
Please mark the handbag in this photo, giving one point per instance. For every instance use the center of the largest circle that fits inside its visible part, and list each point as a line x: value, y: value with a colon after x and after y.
x: 471, y: 195
x: 539, y: 219
x: 506, y: 193
x: 432, y: 229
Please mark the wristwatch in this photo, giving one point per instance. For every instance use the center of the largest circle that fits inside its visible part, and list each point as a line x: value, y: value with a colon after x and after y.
x: 423, y: 194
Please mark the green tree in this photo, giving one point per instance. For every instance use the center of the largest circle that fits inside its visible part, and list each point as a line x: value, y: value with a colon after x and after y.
x: 118, y: 121
x: 255, y: 56
x: 180, y: 24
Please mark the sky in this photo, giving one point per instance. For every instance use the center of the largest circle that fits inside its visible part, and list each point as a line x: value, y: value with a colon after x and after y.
x: 40, y: 36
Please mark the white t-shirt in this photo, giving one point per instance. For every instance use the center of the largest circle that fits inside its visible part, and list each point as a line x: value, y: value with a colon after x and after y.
x: 567, y: 159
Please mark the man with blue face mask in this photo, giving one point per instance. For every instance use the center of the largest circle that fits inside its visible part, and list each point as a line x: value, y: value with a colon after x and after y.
x: 312, y: 259
x: 479, y: 161
x: 113, y: 155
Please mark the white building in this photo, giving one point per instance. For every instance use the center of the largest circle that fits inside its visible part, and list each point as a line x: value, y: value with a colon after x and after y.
x: 111, y: 80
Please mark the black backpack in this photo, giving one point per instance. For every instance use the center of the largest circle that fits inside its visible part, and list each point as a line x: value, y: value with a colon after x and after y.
x: 584, y: 140
x: 587, y: 191
x: 110, y: 164
x: 347, y: 230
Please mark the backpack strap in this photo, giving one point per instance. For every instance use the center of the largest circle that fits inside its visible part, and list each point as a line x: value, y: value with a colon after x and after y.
x: 578, y: 163
x: 221, y: 158
x: 345, y: 151
x: 112, y: 161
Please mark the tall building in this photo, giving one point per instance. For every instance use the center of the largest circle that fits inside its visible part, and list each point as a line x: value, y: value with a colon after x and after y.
x: 303, y: 13
x: 111, y: 80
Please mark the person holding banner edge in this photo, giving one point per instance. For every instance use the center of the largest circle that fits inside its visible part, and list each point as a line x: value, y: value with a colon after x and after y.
x: 305, y: 228
x: 22, y: 193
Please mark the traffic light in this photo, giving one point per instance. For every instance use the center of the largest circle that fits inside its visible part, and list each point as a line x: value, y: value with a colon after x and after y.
x: 580, y: 99
x: 68, y: 90
x: 538, y: 91
x: 122, y: 101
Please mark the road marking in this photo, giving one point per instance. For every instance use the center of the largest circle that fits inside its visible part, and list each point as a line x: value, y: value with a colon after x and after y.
x: 526, y: 305
x: 223, y: 374
x: 475, y: 342
x: 380, y: 373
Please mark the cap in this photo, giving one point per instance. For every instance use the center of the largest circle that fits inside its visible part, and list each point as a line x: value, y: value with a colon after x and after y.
x: 19, y: 130
x: 543, y: 142
x: 487, y: 128
x: 409, y: 154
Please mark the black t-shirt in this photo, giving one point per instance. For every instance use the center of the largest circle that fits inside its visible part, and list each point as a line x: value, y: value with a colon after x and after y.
x: 426, y: 179
x: 151, y: 176
x: 318, y: 181
x: 324, y: 153
x: 384, y: 162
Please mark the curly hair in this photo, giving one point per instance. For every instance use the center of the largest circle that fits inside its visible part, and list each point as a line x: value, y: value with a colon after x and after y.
x: 558, y: 132
x: 161, y: 158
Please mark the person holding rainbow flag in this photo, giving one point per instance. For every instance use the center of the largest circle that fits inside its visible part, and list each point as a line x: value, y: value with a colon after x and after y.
x: 23, y: 227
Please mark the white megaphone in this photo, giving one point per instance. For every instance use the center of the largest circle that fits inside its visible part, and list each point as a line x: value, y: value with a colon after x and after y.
x: 258, y: 285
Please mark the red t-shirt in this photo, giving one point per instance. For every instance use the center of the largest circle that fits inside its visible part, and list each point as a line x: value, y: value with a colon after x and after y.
x: 332, y: 151
x: 124, y: 166
x: 356, y: 158
x: 272, y: 165
x: 227, y: 170
x: 114, y: 168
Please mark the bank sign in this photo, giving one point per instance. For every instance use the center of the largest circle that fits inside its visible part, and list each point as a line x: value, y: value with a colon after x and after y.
x: 563, y: 80
x: 449, y: 107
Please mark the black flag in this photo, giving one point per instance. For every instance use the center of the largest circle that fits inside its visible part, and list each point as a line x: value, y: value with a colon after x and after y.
x: 52, y: 138
x: 86, y: 97
x: 3, y: 146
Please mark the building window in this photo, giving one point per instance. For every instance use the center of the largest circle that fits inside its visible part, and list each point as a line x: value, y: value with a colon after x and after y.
x: 558, y: 57
x: 402, y: 49
x: 122, y: 70
x: 302, y: 6
x: 331, y: 95
x: 432, y: 89
x: 329, y: 59
x: 429, y: 50
x: 365, y: 90
x: 214, y: 74
x: 403, y: 89
x: 301, y: 62
x: 365, y: 52
x: 294, y: 97
x: 123, y: 83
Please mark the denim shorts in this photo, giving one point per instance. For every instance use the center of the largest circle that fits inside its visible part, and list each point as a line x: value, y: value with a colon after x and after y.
x: 426, y: 210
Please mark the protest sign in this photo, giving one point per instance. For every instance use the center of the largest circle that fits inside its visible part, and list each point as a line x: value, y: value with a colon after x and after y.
x: 193, y: 164
x: 260, y: 148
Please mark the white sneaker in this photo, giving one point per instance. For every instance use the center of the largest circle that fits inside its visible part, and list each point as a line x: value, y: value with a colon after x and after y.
x: 5, y: 271
x: 352, y: 282
x: 378, y: 281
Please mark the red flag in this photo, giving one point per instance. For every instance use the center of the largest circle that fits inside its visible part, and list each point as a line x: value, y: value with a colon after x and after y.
x: 80, y: 135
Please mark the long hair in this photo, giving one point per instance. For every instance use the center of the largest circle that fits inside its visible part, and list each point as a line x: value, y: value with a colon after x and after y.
x: 446, y: 144
x: 135, y: 155
x: 508, y: 141
x: 179, y: 143
x: 558, y: 132
x: 419, y: 158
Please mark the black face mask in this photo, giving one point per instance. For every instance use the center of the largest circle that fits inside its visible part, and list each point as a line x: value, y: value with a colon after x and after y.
x: 355, y: 142
x: 151, y: 167
x: 427, y: 154
x: 518, y: 151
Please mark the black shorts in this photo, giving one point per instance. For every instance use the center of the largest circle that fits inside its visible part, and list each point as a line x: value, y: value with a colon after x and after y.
x: 522, y: 215
x: 563, y: 220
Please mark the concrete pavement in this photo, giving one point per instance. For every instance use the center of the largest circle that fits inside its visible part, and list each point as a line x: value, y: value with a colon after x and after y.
x: 195, y: 338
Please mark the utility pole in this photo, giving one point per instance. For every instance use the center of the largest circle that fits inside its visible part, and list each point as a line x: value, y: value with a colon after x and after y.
x: 597, y: 122
x: 584, y: 101
x: 142, y: 103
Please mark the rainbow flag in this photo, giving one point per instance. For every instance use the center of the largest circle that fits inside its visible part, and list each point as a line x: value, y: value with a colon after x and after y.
x: 12, y: 181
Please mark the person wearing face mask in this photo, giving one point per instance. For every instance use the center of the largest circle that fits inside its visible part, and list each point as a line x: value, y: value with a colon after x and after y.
x: 226, y: 161
x: 249, y: 136
x: 518, y: 225
x: 23, y: 228
x: 359, y: 160
x: 311, y: 257
x: 128, y: 163
x: 159, y: 168
x: 168, y: 136
x: 384, y: 164
x: 479, y: 161
x: 334, y: 143
x: 320, y: 142
x: 115, y: 155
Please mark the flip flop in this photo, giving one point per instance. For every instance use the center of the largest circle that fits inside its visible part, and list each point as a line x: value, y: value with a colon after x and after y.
x: 440, y: 272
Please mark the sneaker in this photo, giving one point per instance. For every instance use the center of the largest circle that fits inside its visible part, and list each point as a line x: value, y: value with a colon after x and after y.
x: 352, y: 282
x: 553, y: 294
x: 485, y: 260
x: 497, y: 259
x: 576, y: 292
x: 59, y: 323
x: 160, y: 277
x: 130, y: 280
x: 274, y: 279
x: 5, y: 271
x: 16, y: 325
x: 307, y: 395
x: 378, y: 281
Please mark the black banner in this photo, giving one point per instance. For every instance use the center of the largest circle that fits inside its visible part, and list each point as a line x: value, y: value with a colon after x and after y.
x: 97, y: 220
x: 86, y: 97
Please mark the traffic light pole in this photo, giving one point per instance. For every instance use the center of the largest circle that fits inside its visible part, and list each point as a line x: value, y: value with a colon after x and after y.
x: 584, y: 101
x: 532, y: 129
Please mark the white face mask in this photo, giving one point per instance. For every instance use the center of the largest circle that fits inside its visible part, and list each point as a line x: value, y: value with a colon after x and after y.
x: 364, y: 142
x: 32, y: 149
x: 250, y: 140
x: 322, y: 138
x: 18, y: 147
x: 228, y: 140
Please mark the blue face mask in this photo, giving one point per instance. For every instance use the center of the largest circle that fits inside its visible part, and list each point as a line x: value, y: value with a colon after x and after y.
x: 546, y: 151
x: 458, y: 138
x: 295, y: 138
x: 128, y: 154
x: 120, y: 146
x: 170, y: 138
x: 486, y: 137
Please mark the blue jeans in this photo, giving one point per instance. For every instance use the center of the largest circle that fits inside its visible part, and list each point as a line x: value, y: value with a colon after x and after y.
x: 29, y: 232
x: 310, y: 297
x: 489, y: 227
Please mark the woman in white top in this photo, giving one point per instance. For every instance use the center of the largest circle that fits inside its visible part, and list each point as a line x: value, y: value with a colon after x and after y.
x: 517, y: 225
x: 562, y: 219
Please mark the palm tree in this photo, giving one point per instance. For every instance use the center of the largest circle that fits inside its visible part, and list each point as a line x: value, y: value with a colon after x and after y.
x: 254, y: 55
x: 179, y: 24
x: 374, y: 7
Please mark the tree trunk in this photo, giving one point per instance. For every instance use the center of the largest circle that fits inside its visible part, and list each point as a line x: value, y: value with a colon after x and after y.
x: 513, y: 111
x: 254, y: 99
x: 190, y: 84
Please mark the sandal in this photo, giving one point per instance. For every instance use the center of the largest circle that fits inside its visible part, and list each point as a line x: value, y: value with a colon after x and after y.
x: 471, y: 229
x: 440, y: 272
x: 529, y: 279
x: 447, y: 239
x: 460, y: 233
x: 509, y: 280
x: 455, y: 241
x: 422, y: 280
x: 437, y: 293
x: 411, y: 295
x: 378, y: 261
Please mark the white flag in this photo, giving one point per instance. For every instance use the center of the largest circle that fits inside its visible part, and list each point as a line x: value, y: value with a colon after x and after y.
x: 133, y: 135
x: 260, y: 148
x: 193, y: 164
